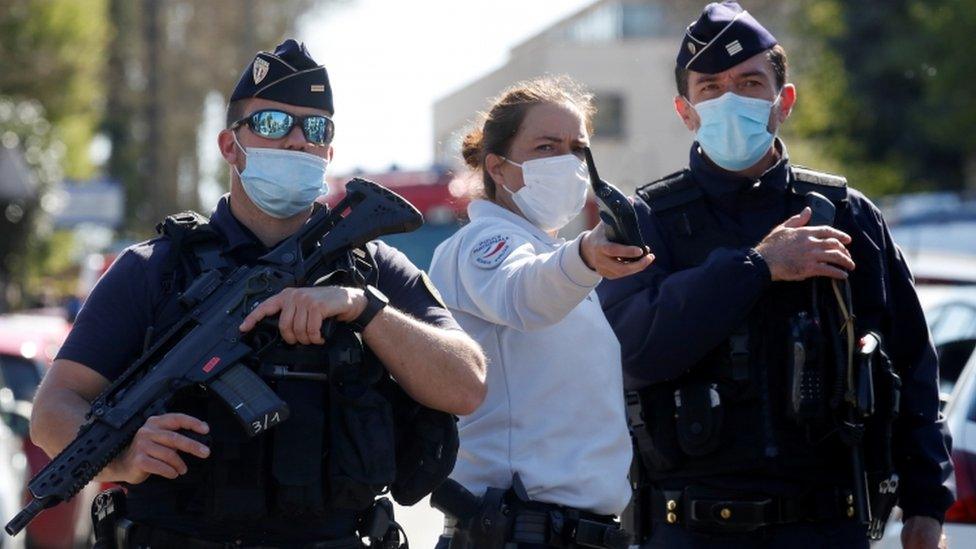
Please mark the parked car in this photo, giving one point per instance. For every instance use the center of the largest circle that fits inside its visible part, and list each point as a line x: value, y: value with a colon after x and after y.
x: 951, y: 315
x: 28, y: 344
x: 13, y: 464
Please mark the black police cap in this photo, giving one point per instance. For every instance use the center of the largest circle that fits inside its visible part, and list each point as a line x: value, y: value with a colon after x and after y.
x: 724, y: 36
x: 287, y: 75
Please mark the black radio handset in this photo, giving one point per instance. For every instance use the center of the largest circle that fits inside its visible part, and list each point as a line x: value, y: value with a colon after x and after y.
x: 823, y: 210
x: 616, y: 212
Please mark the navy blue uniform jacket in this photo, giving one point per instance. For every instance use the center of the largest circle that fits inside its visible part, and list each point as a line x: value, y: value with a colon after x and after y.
x: 668, y: 320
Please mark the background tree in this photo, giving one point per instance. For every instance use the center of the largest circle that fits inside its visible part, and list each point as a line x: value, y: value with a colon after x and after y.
x: 51, y: 98
x: 887, y: 94
x: 167, y: 57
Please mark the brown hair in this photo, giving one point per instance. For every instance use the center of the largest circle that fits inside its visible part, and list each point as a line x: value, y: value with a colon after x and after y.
x: 496, y: 128
x: 776, y: 56
x: 235, y: 111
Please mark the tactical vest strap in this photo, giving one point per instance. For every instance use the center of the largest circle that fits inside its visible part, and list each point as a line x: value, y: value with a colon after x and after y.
x: 193, y: 241
x: 805, y: 180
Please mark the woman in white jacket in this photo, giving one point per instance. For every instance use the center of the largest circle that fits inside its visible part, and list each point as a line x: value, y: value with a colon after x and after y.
x: 554, y: 415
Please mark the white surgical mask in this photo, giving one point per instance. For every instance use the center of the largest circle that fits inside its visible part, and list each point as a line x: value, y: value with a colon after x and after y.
x: 281, y: 182
x: 554, y: 191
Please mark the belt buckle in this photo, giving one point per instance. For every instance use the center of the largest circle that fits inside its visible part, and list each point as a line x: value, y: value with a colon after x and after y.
x: 729, y: 515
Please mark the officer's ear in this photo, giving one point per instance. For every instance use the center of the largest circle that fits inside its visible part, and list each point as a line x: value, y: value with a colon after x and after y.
x: 229, y: 148
x: 787, y: 98
x: 686, y: 113
x: 783, y: 108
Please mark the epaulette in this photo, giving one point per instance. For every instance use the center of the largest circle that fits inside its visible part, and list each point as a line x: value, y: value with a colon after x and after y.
x: 805, y: 180
x: 670, y: 191
x: 178, y: 224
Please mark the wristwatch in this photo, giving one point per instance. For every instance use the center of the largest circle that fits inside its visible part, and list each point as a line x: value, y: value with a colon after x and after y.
x: 375, y: 301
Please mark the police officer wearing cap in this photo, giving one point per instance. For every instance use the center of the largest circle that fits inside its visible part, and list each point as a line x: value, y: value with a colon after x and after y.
x: 268, y: 492
x: 787, y: 387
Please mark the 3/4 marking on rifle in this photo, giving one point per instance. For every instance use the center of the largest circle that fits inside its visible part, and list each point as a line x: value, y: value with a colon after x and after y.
x: 270, y: 420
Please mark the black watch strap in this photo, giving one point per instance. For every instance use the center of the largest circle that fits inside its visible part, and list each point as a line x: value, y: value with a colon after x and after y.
x: 375, y: 301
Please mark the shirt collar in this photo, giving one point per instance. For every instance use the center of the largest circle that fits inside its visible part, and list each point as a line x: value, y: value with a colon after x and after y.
x: 239, y: 238
x: 485, y: 208
x: 717, y: 182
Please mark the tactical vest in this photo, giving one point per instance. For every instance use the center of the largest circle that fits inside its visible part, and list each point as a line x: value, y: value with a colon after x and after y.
x: 731, y: 412
x: 352, y: 434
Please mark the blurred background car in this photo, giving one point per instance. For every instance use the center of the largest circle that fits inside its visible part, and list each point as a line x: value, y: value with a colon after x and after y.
x: 29, y: 342
x: 13, y: 464
x: 951, y: 315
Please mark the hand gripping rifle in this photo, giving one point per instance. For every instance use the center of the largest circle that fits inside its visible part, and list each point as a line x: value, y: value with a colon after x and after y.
x: 205, y: 347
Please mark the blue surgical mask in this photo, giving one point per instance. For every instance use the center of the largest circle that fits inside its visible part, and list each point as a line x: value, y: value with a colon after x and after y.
x: 734, y: 130
x: 280, y: 182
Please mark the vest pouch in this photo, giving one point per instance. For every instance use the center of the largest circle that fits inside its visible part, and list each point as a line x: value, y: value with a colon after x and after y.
x: 657, y: 438
x: 297, y: 450
x: 234, y: 489
x: 426, y: 445
x: 361, y: 463
x: 426, y: 457
x: 698, y: 416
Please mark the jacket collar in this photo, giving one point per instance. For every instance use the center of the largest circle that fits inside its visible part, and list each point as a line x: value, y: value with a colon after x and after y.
x: 720, y: 184
x: 479, y: 208
x: 240, y: 241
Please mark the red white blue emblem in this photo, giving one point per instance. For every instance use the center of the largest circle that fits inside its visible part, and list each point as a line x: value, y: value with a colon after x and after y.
x: 490, y: 252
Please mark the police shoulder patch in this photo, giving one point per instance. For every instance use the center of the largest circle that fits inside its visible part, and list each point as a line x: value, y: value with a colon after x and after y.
x: 490, y: 252
x: 429, y: 284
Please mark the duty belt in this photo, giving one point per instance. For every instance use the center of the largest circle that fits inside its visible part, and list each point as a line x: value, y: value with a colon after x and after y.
x: 131, y: 535
x: 563, y: 527
x: 707, y: 510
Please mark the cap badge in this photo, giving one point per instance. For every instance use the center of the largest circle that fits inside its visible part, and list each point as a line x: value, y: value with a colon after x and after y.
x: 260, y: 70
x: 691, y: 47
x: 733, y: 47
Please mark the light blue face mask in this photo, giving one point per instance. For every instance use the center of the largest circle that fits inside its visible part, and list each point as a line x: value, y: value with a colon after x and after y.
x: 734, y: 130
x: 280, y: 182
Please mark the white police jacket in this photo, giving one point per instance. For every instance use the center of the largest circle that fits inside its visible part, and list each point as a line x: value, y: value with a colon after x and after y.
x: 555, y: 410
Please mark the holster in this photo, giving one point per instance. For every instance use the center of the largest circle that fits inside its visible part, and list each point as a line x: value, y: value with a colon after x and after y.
x: 508, y: 519
x: 109, y: 524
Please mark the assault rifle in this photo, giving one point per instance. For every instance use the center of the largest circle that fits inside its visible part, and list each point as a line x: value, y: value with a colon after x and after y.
x: 205, y: 348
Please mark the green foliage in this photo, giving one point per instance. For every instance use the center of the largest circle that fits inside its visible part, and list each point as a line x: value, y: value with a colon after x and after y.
x: 885, y: 92
x: 25, y: 130
x: 52, y: 51
x: 166, y: 58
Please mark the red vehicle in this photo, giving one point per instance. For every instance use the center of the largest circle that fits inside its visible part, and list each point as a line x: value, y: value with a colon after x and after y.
x: 28, y: 344
x: 438, y: 194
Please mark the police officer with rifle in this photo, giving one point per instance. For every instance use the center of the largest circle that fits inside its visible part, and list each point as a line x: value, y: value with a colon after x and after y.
x: 236, y: 374
x: 787, y: 390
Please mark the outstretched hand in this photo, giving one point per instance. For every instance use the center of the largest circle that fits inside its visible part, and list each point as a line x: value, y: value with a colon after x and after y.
x: 609, y: 258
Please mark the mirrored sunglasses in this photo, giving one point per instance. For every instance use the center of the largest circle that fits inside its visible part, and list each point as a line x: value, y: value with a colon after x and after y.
x: 275, y: 124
